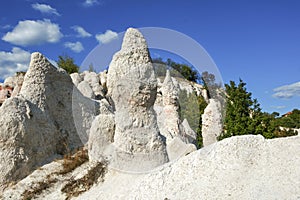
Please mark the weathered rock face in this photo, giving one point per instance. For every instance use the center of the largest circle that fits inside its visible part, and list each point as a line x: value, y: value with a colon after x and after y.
x: 132, y: 88
x: 89, y: 84
x: 5, y: 93
x: 240, y: 167
x: 170, y: 108
x: 76, y: 78
x: 244, y: 167
x: 86, y: 90
x: 212, y: 126
x: 11, y: 86
x: 178, y: 136
x: 38, y: 124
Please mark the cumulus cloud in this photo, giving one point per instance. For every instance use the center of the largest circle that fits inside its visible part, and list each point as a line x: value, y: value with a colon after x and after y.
x: 81, y: 32
x: 74, y: 46
x: 14, y: 61
x: 31, y: 32
x: 106, y: 37
x: 45, y: 9
x: 287, y: 91
x: 89, y: 3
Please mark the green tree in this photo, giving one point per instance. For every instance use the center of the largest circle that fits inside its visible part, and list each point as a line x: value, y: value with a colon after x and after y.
x: 67, y: 63
x: 209, y: 82
x: 244, y: 116
x: 176, y: 69
x: 238, y: 111
x: 292, y: 120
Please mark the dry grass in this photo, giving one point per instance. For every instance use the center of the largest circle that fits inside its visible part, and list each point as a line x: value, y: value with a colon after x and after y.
x: 71, y: 162
x: 38, y: 189
x: 75, y: 187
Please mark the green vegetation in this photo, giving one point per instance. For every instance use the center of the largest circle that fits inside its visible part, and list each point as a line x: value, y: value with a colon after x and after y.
x: 209, y: 82
x: 290, y: 120
x: 176, y: 69
x: 67, y: 63
x: 191, y: 109
x: 244, y: 116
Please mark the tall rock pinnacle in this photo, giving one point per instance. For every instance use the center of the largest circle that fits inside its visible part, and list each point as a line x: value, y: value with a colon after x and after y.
x: 132, y: 87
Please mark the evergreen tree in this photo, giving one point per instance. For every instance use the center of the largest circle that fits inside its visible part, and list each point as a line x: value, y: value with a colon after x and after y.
x: 67, y: 63
x: 239, y: 110
x: 176, y: 69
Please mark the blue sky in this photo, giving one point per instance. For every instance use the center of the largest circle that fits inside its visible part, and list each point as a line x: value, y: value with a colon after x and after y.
x: 256, y: 40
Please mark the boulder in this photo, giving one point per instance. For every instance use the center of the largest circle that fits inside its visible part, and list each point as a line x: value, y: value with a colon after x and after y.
x: 76, y: 78
x: 94, y: 81
x: 103, y: 79
x: 101, y: 137
x: 86, y: 90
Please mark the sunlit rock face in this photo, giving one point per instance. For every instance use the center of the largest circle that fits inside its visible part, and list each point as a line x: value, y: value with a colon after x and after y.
x: 132, y: 88
x: 37, y: 125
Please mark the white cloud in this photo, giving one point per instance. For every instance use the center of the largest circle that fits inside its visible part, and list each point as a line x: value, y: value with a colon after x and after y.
x: 287, y: 91
x: 14, y: 61
x: 7, y: 26
x: 31, y: 32
x: 45, y: 9
x: 74, y: 46
x: 278, y: 107
x: 81, y: 32
x: 106, y: 37
x: 89, y: 3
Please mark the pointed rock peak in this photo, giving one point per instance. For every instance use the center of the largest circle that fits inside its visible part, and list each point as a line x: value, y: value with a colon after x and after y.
x: 133, y: 39
x: 39, y: 79
x: 38, y: 60
x: 168, y: 83
x: 168, y: 78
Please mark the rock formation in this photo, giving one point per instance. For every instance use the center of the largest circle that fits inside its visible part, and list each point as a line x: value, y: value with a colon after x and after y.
x: 89, y: 84
x: 37, y: 125
x: 212, y: 122
x: 170, y: 108
x: 178, y: 143
x: 242, y: 167
x: 49, y: 117
x: 132, y: 87
x: 11, y: 86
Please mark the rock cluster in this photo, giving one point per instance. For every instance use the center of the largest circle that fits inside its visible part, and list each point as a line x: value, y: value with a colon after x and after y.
x: 180, y: 138
x: 90, y: 84
x: 37, y: 125
x: 11, y: 87
x: 130, y: 119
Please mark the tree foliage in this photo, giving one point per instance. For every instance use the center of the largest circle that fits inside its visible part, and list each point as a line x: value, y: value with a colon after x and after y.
x: 176, y: 69
x: 191, y: 108
x: 244, y: 116
x: 209, y: 82
x: 67, y: 63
